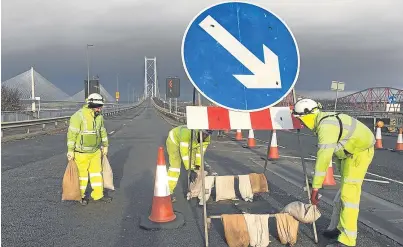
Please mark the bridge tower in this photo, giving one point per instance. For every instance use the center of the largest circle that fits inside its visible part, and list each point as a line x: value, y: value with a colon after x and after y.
x: 150, y: 77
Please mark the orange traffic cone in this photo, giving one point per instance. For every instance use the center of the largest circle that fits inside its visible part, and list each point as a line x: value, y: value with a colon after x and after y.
x: 399, y: 143
x: 329, y: 179
x: 238, y: 135
x: 162, y: 215
x: 251, y: 139
x: 273, y: 153
x: 378, y: 137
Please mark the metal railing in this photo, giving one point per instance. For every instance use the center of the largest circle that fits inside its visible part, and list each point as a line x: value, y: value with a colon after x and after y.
x: 179, y: 118
x: 37, y: 122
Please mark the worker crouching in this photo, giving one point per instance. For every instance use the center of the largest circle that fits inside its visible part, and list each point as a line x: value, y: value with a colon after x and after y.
x: 85, y: 135
x: 178, y: 146
x: 352, y: 144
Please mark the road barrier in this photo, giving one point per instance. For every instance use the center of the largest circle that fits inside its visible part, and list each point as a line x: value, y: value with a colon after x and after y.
x: 29, y: 124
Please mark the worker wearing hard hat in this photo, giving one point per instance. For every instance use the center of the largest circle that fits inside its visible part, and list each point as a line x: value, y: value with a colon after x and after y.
x: 352, y: 143
x: 178, y: 147
x: 85, y: 135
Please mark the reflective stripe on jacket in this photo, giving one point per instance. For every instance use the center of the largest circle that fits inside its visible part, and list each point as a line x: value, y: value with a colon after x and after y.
x: 355, y: 137
x: 181, y: 136
x: 86, y: 132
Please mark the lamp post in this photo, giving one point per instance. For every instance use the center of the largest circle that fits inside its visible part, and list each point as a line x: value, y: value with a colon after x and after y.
x: 88, y: 71
x: 337, y: 86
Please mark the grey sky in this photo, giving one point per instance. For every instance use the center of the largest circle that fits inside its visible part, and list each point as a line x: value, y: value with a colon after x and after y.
x: 358, y: 42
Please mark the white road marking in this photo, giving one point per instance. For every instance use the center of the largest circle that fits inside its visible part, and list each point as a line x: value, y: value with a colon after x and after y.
x: 373, y: 174
x: 110, y: 133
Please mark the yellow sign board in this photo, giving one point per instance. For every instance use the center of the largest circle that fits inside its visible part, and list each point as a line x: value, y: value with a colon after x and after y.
x: 117, y: 95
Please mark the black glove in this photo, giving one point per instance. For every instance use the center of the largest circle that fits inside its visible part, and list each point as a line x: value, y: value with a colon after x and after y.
x: 193, y: 176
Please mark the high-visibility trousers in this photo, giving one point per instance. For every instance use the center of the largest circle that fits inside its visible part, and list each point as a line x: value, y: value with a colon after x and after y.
x: 353, y: 170
x: 90, y: 164
x: 175, y: 161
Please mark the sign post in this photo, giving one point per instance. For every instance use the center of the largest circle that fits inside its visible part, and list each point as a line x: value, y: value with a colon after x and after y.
x: 337, y: 86
x: 241, y: 57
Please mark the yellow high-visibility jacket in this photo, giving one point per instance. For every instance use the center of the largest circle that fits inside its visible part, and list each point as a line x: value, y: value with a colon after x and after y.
x: 181, y: 136
x: 354, y: 138
x: 86, y: 132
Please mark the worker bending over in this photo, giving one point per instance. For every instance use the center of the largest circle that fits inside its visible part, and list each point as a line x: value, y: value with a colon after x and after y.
x: 84, y: 137
x: 352, y: 143
x: 178, y: 147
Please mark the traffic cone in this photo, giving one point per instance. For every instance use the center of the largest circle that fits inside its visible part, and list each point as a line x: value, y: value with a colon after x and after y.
x: 329, y: 179
x: 273, y: 152
x: 162, y: 215
x: 251, y: 139
x: 399, y: 143
x: 378, y: 137
x: 238, y: 135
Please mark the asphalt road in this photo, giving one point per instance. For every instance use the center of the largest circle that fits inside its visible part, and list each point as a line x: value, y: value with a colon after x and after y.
x: 34, y: 215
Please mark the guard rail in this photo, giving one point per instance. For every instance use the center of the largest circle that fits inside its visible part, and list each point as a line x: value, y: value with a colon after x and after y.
x: 177, y: 117
x: 44, y: 121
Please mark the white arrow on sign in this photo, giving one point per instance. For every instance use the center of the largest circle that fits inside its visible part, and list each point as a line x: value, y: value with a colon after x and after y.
x: 265, y: 75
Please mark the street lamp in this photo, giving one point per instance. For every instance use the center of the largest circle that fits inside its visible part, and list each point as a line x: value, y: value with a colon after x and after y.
x: 337, y: 86
x: 88, y: 71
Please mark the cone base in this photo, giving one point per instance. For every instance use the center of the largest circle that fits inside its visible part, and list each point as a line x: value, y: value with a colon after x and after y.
x: 161, y: 210
x: 147, y: 224
x: 253, y: 147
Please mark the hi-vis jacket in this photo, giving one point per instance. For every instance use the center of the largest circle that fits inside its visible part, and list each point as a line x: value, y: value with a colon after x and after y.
x: 86, y: 132
x: 339, y: 134
x: 180, y: 136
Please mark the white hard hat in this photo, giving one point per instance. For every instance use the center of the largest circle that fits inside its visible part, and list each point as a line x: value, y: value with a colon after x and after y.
x: 95, y: 100
x: 306, y: 106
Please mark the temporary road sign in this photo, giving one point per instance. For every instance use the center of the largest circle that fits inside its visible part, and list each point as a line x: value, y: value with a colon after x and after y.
x: 240, y: 56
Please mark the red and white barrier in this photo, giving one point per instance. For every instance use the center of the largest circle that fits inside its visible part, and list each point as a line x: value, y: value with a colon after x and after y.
x: 218, y: 118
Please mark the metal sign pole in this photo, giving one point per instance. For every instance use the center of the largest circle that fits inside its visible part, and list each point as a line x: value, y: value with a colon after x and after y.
x: 305, y: 171
x: 203, y: 183
x: 191, y: 142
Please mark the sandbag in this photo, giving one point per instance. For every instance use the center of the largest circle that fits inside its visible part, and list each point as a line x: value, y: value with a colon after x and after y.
x: 258, y: 229
x: 304, y: 213
x: 258, y: 182
x: 245, y: 188
x: 287, y: 228
x: 196, y: 186
x: 235, y: 229
x: 209, y: 183
x: 224, y: 188
x: 71, y: 183
x: 107, y: 174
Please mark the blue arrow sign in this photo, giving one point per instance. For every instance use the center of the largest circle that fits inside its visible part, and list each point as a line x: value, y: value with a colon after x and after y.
x: 392, y: 99
x: 240, y: 56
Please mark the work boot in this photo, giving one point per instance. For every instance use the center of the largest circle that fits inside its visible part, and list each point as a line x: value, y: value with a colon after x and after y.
x: 334, y: 233
x: 84, y: 201
x: 336, y: 244
x: 105, y: 199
